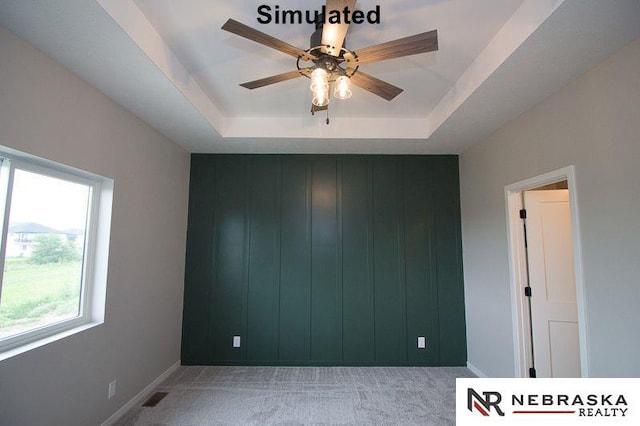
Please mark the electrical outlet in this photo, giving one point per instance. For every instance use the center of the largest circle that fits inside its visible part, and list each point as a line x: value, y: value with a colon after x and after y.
x: 112, y: 389
x: 422, y: 342
x: 236, y: 341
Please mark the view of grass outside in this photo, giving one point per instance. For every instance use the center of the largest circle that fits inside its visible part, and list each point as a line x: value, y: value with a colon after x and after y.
x: 34, y: 294
x: 43, y: 252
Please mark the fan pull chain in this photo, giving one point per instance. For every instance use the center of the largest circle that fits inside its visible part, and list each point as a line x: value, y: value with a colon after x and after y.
x: 327, y: 116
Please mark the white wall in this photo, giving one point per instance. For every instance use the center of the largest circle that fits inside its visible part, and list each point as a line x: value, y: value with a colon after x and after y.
x: 47, y: 111
x: 594, y: 124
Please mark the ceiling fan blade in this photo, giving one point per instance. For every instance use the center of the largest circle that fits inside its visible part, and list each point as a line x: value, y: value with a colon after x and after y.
x: 333, y: 34
x: 273, y: 79
x: 247, y: 32
x: 376, y: 86
x: 412, y: 45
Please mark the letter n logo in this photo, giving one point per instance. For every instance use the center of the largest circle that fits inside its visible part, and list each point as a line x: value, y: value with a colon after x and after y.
x: 483, y: 405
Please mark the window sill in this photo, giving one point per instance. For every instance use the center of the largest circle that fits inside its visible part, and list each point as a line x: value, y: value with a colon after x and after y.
x: 10, y: 353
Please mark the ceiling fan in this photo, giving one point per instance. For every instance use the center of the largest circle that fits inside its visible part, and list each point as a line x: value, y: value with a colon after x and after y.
x: 328, y: 61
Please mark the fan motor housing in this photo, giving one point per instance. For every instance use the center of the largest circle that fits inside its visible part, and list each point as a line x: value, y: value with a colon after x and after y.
x: 316, y: 37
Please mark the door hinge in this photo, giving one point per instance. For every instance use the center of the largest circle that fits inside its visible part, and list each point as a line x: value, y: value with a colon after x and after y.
x: 527, y: 291
x: 523, y: 214
x: 532, y: 373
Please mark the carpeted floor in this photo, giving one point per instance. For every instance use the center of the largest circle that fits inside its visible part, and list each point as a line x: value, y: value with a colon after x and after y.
x: 304, y: 395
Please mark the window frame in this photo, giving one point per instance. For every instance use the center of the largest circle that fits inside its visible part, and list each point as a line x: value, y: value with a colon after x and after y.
x: 20, y: 342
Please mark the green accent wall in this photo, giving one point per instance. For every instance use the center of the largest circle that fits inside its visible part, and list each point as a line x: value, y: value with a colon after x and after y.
x: 323, y: 260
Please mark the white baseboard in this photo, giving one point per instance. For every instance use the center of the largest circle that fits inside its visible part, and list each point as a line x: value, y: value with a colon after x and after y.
x: 140, y: 396
x: 475, y: 370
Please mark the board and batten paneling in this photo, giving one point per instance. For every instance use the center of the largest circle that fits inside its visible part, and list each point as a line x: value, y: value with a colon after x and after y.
x: 323, y: 260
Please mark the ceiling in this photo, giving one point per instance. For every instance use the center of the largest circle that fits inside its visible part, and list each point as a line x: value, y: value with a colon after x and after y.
x: 170, y: 64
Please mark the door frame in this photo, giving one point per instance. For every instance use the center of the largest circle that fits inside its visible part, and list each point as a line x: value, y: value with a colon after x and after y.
x: 518, y: 272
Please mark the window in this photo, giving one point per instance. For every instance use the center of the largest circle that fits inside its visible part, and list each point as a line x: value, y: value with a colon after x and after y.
x: 51, y: 220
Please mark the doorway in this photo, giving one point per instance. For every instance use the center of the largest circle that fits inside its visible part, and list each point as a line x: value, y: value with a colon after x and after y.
x: 546, y: 276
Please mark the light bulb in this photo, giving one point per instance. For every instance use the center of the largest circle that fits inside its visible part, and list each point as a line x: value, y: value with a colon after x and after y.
x: 321, y: 96
x: 320, y: 87
x: 342, y: 87
x: 319, y: 78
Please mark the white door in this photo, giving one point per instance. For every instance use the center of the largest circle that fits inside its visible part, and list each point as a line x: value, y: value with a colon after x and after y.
x: 554, y: 311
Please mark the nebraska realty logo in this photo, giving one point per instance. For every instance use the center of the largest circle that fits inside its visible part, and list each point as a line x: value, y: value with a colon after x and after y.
x: 557, y: 401
x: 484, y: 405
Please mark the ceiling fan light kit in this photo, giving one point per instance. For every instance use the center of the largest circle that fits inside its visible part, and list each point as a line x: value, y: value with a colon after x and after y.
x: 342, y: 88
x: 319, y: 79
x: 320, y: 87
x: 328, y: 61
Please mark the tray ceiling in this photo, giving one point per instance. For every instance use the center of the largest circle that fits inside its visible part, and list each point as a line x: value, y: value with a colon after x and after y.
x: 171, y: 64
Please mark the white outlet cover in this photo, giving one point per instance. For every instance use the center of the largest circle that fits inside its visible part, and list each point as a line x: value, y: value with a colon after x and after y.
x: 422, y: 342
x: 236, y: 341
x: 112, y: 389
